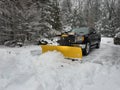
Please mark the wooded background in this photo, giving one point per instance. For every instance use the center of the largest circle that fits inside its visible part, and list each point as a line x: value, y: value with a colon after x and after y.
x: 29, y: 20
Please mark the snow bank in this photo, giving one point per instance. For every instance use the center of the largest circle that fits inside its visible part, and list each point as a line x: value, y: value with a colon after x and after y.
x: 16, y: 65
x: 50, y: 59
x: 26, y: 69
x: 106, y: 40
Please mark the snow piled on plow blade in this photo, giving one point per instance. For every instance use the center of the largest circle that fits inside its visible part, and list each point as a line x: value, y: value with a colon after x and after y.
x: 67, y: 51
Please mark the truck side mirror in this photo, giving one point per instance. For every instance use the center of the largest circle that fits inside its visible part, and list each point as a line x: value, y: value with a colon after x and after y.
x: 94, y: 32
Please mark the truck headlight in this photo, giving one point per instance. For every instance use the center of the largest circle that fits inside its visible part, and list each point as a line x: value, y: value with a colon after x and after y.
x: 71, y: 33
x: 80, y: 38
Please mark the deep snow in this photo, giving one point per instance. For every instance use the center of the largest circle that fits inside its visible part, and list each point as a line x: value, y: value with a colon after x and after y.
x: 26, y: 69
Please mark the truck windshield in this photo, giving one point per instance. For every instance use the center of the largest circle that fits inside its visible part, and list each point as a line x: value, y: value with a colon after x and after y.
x: 83, y: 30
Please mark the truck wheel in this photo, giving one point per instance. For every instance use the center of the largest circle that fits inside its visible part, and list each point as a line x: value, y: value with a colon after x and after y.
x: 98, y: 45
x: 86, y: 51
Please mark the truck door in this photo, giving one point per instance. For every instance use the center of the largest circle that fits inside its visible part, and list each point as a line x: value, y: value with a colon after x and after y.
x: 93, y: 36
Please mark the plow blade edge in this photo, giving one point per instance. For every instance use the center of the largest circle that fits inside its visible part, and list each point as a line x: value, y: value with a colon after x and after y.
x: 67, y: 51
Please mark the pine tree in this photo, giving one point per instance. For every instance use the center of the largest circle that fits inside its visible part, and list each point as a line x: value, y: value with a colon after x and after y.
x: 16, y: 16
x: 49, y: 17
x: 66, y: 12
x: 55, y: 16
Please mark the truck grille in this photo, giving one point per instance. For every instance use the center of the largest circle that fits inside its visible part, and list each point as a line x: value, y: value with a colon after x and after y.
x: 67, y: 40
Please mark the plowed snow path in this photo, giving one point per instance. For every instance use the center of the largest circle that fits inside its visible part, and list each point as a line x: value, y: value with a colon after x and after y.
x: 108, y: 53
x: 25, y: 69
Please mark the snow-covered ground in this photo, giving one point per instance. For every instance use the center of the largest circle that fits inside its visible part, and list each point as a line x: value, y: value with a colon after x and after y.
x: 26, y: 69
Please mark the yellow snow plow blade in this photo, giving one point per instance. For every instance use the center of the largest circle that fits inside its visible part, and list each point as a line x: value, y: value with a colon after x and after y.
x: 67, y: 51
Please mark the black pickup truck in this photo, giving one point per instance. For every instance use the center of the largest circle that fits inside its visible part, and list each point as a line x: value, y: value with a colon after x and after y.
x: 85, y: 37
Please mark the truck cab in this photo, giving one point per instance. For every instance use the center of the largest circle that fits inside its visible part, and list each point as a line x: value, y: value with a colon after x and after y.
x: 84, y: 37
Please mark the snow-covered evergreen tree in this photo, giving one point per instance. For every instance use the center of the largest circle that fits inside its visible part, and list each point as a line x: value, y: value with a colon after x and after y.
x: 33, y: 19
x: 66, y: 12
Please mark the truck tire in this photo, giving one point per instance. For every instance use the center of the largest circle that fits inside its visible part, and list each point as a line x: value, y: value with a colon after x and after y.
x: 98, y: 45
x: 86, y: 51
